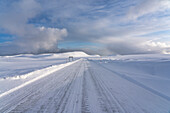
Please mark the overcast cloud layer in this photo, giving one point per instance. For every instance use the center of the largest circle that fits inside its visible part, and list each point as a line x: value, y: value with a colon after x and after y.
x: 110, y: 26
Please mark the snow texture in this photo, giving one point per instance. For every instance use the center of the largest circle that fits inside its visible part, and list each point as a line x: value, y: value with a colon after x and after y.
x: 90, y: 84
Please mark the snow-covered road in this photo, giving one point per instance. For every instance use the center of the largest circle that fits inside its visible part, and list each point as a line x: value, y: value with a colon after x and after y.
x: 84, y: 87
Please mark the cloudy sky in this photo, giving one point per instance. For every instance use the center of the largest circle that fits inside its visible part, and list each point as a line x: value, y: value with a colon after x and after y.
x: 94, y: 26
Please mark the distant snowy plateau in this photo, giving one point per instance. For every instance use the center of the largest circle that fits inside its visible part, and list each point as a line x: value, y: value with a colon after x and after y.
x: 50, y: 83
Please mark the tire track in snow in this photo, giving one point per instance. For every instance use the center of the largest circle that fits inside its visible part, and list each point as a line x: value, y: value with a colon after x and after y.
x: 58, y: 101
x: 73, y: 90
x: 64, y: 97
x: 74, y: 100
x: 91, y: 99
x: 136, y: 82
x: 57, y: 98
x: 84, y: 104
x: 108, y: 101
x: 52, y: 101
x: 23, y: 100
x: 33, y: 94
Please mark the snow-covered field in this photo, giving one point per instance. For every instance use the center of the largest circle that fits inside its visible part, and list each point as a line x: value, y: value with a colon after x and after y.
x: 114, y: 84
x: 25, y: 63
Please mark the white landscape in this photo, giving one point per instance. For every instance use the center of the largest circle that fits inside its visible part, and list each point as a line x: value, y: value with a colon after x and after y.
x: 84, y: 56
x: 49, y: 83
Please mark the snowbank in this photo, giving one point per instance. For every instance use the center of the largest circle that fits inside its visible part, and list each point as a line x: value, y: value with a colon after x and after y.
x: 11, y: 84
x: 24, y: 63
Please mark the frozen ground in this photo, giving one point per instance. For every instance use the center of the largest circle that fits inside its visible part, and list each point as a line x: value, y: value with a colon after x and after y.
x: 119, y: 84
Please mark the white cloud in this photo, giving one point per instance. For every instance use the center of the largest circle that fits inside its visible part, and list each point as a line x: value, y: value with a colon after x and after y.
x: 32, y: 39
x: 134, y: 46
x: 88, y: 21
x: 147, y: 7
x: 44, y: 39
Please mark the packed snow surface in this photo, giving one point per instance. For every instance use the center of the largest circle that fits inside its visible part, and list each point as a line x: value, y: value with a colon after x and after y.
x: 89, y: 84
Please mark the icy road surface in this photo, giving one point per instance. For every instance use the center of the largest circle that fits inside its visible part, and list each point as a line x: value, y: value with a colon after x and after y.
x: 85, y: 87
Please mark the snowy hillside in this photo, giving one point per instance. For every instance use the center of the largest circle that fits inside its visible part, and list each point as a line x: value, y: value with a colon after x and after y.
x: 25, y: 63
x: 74, y: 54
x: 54, y: 55
x: 114, y: 84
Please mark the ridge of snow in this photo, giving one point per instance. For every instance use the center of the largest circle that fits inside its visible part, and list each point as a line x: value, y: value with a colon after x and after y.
x: 56, y: 55
x: 17, y: 82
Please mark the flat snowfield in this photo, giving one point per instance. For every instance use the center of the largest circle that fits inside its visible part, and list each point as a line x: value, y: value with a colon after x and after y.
x: 88, y: 85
